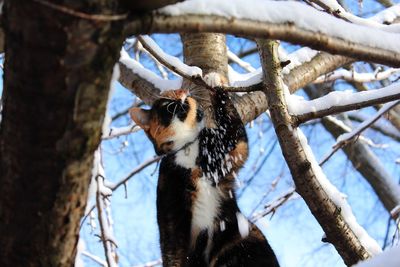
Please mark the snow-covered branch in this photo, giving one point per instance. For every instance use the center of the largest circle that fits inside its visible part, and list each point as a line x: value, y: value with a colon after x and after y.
x: 324, y: 200
x: 146, y: 74
x: 102, y: 193
x: 303, y: 25
x: 243, y: 64
x: 339, y: 101
x: 171, y: 62
x: 353, y: 76
x: 333, y: 7
x: 116, y: 132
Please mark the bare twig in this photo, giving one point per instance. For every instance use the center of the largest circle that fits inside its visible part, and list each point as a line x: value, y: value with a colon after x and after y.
x: 273, y: 205
x: 346, y: 138
x: 94, y: 258
x: 377, y: 127
x: 135, y: 171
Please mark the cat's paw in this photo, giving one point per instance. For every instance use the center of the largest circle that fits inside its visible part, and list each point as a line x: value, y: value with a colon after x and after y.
x: 214, y: 79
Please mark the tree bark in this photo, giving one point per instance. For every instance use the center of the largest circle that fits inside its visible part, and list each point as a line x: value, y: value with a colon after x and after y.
x: 57, y: 74
x: 208, y: 52
x: 308, y: 186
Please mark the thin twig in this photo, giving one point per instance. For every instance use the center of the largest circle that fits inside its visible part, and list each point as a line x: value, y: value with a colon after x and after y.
x: 273, y: 205
x: 94, y: 258
x: 348, y: 137
x: 104, y: 238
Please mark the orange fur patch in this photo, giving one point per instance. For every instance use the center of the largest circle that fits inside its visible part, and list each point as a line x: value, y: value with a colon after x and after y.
x: 192, y: 113
x: 159, y: 133
x: 239, y: 154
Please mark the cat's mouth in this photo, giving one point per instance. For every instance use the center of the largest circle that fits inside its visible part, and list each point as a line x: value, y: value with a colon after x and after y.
x: 165, y: 148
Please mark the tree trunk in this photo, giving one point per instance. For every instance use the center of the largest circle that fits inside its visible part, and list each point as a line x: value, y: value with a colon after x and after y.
x: 208, y: 52
x: 57, y: 74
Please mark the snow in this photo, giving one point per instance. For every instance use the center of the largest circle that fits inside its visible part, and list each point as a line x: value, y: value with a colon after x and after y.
x: 296, y: 58
x: 339, y: 199
x: 245, y: 65
x: 297, y: 105
x: 173, y: 61
x: 301, y: 15
x: 388, y: 258
x: 357, y: 77
x: 78, y: 258
x: 243, y: 80
x: 334, y: 5
x: 91, y: 198
x: 148, y: 75
x: 114, y: 79
x: 388, y: 15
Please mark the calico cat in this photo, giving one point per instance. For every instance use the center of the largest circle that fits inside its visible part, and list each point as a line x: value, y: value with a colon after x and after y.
x: 199, y: 221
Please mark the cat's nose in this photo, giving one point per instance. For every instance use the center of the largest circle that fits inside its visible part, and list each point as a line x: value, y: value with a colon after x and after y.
x: 182, y: 94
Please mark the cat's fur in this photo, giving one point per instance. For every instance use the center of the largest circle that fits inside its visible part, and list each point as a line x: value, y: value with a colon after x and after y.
x: 199, y: 221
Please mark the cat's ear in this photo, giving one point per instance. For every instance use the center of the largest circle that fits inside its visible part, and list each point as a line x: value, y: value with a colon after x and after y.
x: 141, y: 117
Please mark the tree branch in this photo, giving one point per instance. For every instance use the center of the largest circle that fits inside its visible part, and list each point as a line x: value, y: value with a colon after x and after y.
x: 289, y: 32
x: 326, y: 211
x: 362, y: 158
x: 346, y: 138
x: 341, y: 102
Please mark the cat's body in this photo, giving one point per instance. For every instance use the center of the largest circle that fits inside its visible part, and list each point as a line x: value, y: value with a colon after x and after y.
x: 199, y: 221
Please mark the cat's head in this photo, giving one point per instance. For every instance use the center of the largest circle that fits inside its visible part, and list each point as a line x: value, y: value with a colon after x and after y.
x: 174, y: 120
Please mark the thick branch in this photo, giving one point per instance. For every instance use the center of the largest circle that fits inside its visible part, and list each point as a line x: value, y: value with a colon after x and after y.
x: 327, y: 213
x: 342, y: 102
x: 143, y: 89
x: 288, y: 32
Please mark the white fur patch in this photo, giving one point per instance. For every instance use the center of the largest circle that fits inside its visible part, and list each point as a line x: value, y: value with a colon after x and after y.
x: 187, y: 157
x: 206, y: 206
x: 243, y: 225
x: 185, y: 134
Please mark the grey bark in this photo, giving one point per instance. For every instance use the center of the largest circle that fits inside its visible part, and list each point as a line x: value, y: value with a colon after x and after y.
x: 322, y: 207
